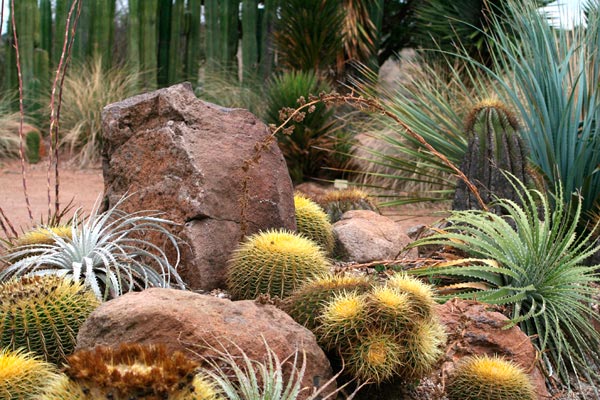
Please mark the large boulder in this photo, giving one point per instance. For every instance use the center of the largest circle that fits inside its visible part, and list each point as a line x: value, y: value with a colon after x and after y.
x: 363, y: 236
x: 177, y: 154
x: 473, y: 330
x: 194, y: 323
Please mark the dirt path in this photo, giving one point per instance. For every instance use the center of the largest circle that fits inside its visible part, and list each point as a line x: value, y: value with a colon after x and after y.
x: 84, y: 186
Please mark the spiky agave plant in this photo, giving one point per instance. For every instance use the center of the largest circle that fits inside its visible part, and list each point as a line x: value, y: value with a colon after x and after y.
x: 490, y: 378
x: 107, y: 252
x: 43, y: 314
x: 23, y: 376
x: 532, y: 260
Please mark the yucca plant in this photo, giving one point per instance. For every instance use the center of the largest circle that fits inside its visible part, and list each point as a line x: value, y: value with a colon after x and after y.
x: 433, y: 101
x: 550, y: 76
x: 86, y: 90
x: 532, y: 261
x: 107, y: 251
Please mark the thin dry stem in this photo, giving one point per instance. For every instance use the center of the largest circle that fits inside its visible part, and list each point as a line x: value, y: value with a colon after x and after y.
x: 21, y: 110
x: 358, y: 102
x: 61, y: 72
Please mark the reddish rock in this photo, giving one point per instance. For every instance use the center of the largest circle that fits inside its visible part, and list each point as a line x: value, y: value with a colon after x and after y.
x: 473, y: 330
x: 177, y: 154
x: 363, y: 236
x: 191, y: 322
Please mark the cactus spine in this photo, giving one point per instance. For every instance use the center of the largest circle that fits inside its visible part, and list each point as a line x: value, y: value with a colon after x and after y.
x: 312, y: 222
x: 23, y: 376
x: 275, y: 262
x: 494, y: 145
x: 43, y: 314
x: 489, y: 378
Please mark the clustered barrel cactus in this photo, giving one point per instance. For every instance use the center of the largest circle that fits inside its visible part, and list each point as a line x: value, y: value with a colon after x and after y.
x: 313, y: 223
x: 382, y: 331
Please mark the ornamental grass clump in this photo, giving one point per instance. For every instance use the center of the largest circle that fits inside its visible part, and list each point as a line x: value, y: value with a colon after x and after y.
x: 531, y: 260
x: 106, y: 251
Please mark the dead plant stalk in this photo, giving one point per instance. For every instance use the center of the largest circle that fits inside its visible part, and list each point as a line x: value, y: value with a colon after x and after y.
x: 358, y: 102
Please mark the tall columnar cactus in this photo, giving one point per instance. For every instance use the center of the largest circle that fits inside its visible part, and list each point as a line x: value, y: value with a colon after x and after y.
x: 306, y: 303
x: 337, y: 202
x: 494, y: 145
x: 313, y: 223
x: 275, y: 262
x: 23, y: 376
x: 194, y: 41
x: 61, y: 11
x: 249, y: 40
x: 489, y: 378
x: 176, y: 60
x: 43, y: 314
x: 102, y: 30
x: 148, y: 42
x: 266, y: 46
x: 133, y: 35
x: 221, y: 34
x: 384, y: 333
x: 46, y: 27
x: 133, y: 371
x: 27, y: 20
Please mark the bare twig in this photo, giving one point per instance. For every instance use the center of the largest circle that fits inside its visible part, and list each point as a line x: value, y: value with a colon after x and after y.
x: 6, y: 225
x: 21, y: 110
x: 298, y: 114
x: 61, y: 71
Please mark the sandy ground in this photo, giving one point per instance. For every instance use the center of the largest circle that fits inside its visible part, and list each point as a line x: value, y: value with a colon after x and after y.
x: 85, y: 186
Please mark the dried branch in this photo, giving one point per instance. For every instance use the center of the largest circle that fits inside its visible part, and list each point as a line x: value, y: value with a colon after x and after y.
x: 21, y: 110
x: 361, y: 103
x: 61, y: 72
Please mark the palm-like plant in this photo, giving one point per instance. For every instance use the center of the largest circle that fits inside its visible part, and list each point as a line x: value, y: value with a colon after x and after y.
x: 532, y: 262
x: 107, y: 251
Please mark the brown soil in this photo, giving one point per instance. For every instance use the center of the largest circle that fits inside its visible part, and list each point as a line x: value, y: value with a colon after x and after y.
x: 85, y: 187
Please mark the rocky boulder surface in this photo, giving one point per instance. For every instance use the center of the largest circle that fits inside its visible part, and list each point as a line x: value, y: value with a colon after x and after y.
x: 363, y: 236
x: 473, y: 330
x: 177, y: 154
x: 195, y: 323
